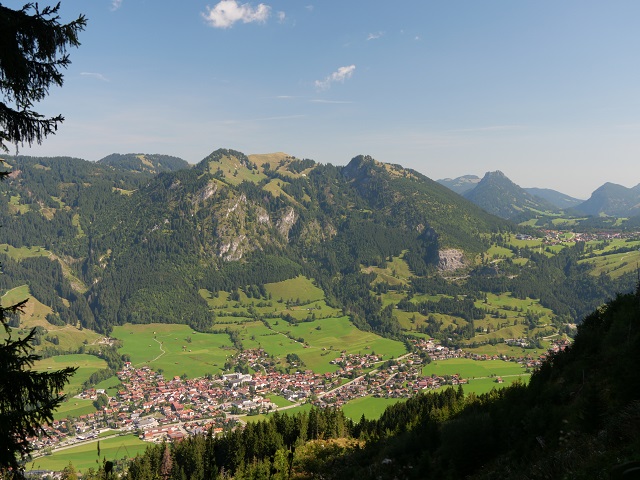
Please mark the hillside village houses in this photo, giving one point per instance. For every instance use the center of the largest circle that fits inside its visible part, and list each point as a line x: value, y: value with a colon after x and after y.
x: 169, y: 409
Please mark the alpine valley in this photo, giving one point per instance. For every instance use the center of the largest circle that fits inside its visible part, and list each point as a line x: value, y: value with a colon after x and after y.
x: 284, y: 283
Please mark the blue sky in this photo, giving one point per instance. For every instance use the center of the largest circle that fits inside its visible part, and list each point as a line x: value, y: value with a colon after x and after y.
x: 546, y: 91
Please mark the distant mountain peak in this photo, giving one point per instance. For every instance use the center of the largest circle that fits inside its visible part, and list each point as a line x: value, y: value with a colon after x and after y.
x: 460, y: 185
x: 497, y: 194
x: 613, y: 200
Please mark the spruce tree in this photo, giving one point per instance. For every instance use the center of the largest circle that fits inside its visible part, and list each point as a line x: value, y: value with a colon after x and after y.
x: 33, y: 51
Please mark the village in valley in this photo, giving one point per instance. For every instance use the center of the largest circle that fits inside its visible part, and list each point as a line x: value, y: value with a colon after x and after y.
x: 159, y: 409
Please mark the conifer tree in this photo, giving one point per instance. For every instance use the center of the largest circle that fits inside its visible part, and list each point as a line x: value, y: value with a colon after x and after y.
x: 33, y: 46
x: 33, y: 52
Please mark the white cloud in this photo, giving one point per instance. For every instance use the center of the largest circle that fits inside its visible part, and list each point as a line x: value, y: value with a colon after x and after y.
x: 333, y: 102
x: 115, y: 5
x: 340, y: 75
x: 227, y: 12
x: 374, y: 36
x: 282, y: 16
x: 97, y: 76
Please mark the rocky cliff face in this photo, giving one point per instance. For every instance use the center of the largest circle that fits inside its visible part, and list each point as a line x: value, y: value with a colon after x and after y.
x: 451, y: 259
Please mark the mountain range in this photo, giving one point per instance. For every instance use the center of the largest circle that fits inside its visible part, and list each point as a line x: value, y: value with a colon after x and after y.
x: 498, y: 195
x: 138, y: 236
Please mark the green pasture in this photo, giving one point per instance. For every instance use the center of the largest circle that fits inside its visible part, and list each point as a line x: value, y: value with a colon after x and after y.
x: 485, y: 385
x: 110, y: 385
x: 299, y: 288
x: 603, y: 247
x: 409, y: 320
x: 74, y: 407
x: 470, y: 369
x: 499, y: 252
x: 75, y: 221
x: 274, y: 187
x: 534, y: 243
x: 276, y: 342
x: 16, y: 207
x: 340, y: 334
x: 324, y: 340
x: 504, y: 349
x: 615, y: 264
x: 15, y: 295
x: 371, y: 407
x: 84, y: 456
x: 395, y: 272
x: 569, y: 222
x: 34, y: 315
x: 23, y: 252
x: 532, y: 222
x: 280, y: 401
x: 305, y: 407
x: 234, y: 172
x: 174, y: 349
x: 500, y: 301
x: 555, y: 249
x: 87, y: 364
x: 391, y: 298
x: 422, y: 297
x: 511, y: 331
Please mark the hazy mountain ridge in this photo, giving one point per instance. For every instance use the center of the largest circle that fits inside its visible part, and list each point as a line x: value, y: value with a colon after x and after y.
x: 462, y: 184
x: 509, y: 202
x: 558, y: 199
x: 500, y: 196
x: 612, y: 200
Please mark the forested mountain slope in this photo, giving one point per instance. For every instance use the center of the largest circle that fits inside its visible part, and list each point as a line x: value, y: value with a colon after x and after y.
x: 140, y: 162
x: 141, y: 245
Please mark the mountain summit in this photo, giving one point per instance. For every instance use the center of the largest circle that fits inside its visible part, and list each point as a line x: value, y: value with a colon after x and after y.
x: 613, y: 200
x: 500, y: 196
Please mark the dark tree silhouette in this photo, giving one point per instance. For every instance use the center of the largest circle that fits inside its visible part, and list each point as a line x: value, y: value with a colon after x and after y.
x: 33, y: 46
x: 33, y: 52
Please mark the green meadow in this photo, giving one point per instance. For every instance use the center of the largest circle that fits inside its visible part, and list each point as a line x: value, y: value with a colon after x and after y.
x: 613, y: 264
x: 174, y: 349
x: 234, y: 172
x: 395, y: 272
x: 305, y: 407
x: 470, y: 369
x: 22, y: 252
x: 485, y: 385
x: 87, y: 364
x: 299, y: 288
x: 74, y: 407
x: 323, y: 341
x: 503, y: 349
x: 371, y: 407
x: 84, y: 456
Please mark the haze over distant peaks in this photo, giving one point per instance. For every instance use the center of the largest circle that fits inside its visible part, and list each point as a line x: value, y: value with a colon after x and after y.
x: 500, y: 196
x: 461, y: 184
x: 559, y: 199
x: 614, y: 200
